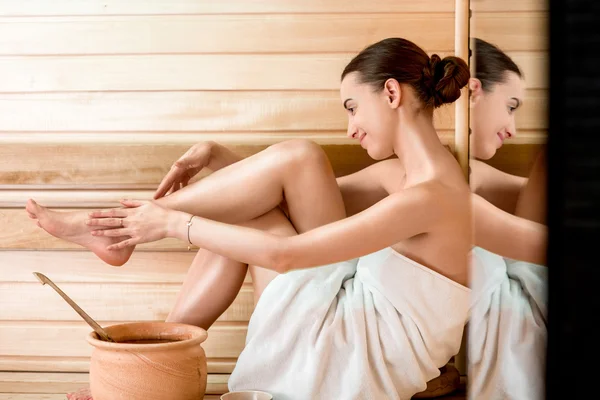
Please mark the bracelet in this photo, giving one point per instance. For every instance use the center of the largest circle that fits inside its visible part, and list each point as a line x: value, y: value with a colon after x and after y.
x: 189, y: 223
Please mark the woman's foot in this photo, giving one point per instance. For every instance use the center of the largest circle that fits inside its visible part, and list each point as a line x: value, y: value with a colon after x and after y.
x: 71, y: 226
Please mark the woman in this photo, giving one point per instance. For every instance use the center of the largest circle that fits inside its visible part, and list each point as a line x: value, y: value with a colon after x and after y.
x: 387, y: 307
x: 507, y: 327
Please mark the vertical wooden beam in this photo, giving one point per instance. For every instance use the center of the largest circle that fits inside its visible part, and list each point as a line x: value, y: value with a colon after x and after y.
x: 462, y: 15
x: 461, y: 49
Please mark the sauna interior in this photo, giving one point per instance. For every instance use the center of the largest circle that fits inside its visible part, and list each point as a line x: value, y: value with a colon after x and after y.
x: 99, y: 98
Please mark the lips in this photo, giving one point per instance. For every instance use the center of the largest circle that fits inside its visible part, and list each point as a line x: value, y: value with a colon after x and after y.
x: 360, y: 139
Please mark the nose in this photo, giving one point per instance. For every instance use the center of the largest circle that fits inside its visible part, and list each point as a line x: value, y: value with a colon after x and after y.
x: 352, y: 130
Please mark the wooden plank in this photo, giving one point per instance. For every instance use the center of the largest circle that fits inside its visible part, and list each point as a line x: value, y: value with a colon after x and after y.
x: 512, y: 31
x: 239, y: 33
x: 116, y: 302
x: 270, y: 111
x: 85, y: 267
x: 174, y: 72
x: 534, y: 66
x: 507, y: 6
x: 532, y: 115
x: 57, y: 396
x: 165, y: 7
x: 81, y: 166
x: 82, y: 364
x: 515, y: 159
x: 62, y: 382
x: 67, y: 339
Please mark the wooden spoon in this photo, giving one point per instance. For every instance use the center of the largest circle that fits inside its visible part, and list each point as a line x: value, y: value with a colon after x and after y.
x: 97, y: 328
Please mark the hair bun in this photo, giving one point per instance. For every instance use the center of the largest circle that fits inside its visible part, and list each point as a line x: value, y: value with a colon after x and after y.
x: 444, y: 78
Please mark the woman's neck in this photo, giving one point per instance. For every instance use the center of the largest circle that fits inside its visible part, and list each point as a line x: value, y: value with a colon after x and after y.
x: 418, y: 146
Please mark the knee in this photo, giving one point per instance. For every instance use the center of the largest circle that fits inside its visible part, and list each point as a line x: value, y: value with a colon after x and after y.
x: 302, y: 152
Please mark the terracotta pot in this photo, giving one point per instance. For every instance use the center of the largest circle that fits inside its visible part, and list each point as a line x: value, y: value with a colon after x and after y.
x: 175, y: 368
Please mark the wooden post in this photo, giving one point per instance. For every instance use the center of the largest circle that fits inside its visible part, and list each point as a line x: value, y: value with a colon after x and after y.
x: 461, y: 49
x: 461, y: 133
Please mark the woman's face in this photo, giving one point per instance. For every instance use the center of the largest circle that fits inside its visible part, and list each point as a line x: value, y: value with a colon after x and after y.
x: 372, y: 119
x: 493, y: 114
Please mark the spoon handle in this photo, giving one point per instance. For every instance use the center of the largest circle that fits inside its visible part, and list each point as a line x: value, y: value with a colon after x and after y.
x: 97, y: 328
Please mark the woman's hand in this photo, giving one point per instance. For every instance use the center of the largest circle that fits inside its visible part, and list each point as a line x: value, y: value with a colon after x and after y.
x: 184, y: 169
x: 142, y: 221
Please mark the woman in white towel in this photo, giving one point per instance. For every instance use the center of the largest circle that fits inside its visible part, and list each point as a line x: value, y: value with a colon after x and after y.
x: 388, y: 305
x: 507, y: 328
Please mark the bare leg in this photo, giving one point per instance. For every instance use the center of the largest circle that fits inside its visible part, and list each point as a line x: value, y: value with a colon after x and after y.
x: 297, y: 170
x: 214, y: 281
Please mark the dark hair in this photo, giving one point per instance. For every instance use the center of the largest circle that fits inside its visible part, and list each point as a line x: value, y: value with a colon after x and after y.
x: 492, y: 64
x: 435, y: 81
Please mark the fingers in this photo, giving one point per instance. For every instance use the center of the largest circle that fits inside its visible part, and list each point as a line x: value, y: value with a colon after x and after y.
x: 114, y: 213
x: 108, y: 222
x: 168, y: 181
x: 112, y: 232
x: 122, y: 245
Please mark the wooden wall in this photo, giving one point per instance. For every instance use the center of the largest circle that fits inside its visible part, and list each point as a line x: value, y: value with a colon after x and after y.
x: 99, y: 97
x: 519, y: 27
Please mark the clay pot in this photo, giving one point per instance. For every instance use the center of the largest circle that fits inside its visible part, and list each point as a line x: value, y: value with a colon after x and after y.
x: 160, y: 361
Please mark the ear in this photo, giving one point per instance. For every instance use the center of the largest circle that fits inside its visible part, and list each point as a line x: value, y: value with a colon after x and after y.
x: 475, y: 91
x: 392, y: 93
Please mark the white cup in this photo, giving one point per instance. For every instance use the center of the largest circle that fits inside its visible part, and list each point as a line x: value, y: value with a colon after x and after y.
x: 247, y: 395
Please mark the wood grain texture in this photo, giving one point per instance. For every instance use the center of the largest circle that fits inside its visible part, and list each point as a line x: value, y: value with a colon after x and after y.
x: 310, y: 111
x: 126, y: 165
x: 165, y: 7
x: 507, y: 6
x: 61, y: 383
x: 82, y: 364
x: 535, y: 67
x: 67, y: 339
x: 512, y: 31
x: 85, y: 267
x: 115, y: 302
x: 233, y: 33
x: 174, y: 72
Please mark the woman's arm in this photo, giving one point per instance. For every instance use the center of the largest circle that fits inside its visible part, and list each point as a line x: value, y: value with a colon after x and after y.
x: 393, y: 219
x: 507, y: 235
x: 497, y: 187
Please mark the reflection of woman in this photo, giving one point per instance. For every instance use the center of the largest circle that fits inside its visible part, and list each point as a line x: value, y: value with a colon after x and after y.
x: 388, y: 305
x: 507, y: 329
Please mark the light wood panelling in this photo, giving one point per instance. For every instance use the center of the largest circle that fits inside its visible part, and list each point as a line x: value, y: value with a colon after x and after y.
x: 239, y: 33
x: 508, y: 5
x: 132, y: 166
x: 174, y: 72
x: 107, y: 302
x: 43, y: 382
x: 534, y: 66
x: 82, y: 364
x: 512, y: 31
x: 182, y: 111
x: 85, y: 267
x: 165, y: 7
x: 61, y: 396
x: 67, y: 339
